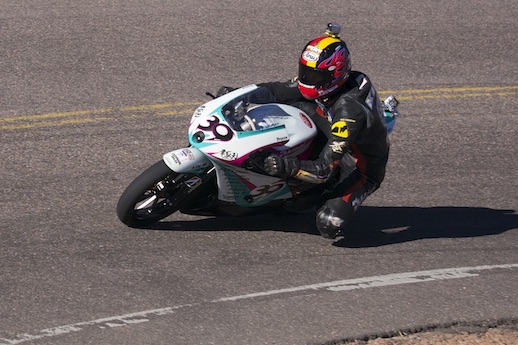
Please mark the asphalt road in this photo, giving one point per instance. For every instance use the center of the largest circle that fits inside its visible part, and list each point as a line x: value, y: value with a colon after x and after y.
x: 92, y: 93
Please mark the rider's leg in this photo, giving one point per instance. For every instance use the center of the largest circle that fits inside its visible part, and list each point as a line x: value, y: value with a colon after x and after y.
x: 340, y: 205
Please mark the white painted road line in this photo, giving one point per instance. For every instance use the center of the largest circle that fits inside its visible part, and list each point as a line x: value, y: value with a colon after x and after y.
x: 335, y: 286
x: 384, y: 280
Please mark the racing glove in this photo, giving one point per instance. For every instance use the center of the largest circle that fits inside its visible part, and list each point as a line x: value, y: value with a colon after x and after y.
x: 282, y: 167
x: 224, y: 90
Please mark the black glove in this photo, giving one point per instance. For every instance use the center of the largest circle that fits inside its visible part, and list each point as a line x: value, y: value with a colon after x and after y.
x: 224, y: 90
x: 274, y: 165
x: 280, y: 166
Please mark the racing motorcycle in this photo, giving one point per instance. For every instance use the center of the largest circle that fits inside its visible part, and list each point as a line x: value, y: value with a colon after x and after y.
x: 220, y: 172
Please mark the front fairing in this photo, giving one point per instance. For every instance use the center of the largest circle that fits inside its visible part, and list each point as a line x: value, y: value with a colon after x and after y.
x: 226, y: 132
x: 231, y: 127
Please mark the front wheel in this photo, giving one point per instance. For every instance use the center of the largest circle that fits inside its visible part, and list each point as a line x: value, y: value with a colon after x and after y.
x: 153, y: 195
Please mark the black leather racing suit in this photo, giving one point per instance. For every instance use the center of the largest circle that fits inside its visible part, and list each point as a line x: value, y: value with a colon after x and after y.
x: 357, y: 146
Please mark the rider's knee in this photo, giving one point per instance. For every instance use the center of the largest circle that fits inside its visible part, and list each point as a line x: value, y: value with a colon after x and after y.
x: 330, y: 221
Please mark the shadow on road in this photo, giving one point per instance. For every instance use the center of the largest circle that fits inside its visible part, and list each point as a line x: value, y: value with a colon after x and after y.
x: 378, y: 226
x: 372, y: 226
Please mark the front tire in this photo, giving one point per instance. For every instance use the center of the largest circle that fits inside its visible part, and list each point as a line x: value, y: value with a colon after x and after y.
x: 152, y: 196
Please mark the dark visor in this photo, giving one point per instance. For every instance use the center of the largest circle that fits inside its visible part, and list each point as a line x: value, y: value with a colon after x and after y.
x: 314, y: 77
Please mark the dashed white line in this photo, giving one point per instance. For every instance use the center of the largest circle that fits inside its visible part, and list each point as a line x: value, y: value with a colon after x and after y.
x: 335, y: 286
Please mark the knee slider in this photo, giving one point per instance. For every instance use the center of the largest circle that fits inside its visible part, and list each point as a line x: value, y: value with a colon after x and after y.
x: 328, y: 222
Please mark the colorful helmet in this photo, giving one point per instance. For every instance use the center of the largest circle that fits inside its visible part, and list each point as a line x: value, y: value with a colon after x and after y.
x: 324, y: 64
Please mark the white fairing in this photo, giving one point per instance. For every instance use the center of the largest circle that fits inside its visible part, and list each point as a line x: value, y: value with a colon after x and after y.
x: 297, y: 124
x: 225, y: 131
x: 186, y: 160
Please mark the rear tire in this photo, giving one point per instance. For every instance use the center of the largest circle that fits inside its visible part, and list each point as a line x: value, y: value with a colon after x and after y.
x: 152, y: 196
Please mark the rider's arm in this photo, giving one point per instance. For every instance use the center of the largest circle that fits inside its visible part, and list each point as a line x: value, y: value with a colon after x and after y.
x: 283, y: 92
x: 350, y: 120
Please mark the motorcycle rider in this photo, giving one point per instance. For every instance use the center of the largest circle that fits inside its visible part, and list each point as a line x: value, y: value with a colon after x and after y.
x: 348, y: 112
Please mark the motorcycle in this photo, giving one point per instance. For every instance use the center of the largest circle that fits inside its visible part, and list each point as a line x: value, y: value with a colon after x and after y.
x: 220, y: 172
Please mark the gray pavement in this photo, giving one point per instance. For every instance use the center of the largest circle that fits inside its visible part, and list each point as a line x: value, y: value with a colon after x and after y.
x: 92, y: 93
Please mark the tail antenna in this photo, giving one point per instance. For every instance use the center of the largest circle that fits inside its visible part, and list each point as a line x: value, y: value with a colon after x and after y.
x: 333, y: 30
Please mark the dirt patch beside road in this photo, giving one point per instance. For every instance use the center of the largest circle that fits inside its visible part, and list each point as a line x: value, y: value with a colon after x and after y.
x: 491, y: 337
x: 488, y: 333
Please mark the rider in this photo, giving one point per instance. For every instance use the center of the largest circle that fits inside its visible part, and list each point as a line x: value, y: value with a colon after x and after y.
x: 347, y: 110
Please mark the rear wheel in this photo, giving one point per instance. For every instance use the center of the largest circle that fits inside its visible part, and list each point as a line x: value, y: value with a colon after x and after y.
x: 154, y: 195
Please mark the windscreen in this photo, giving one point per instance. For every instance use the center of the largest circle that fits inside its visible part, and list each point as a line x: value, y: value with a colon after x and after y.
x: 266, y: 116
x: 251, y: 111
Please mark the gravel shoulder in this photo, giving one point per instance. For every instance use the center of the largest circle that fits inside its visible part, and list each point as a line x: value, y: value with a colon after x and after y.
x: 487, y: 333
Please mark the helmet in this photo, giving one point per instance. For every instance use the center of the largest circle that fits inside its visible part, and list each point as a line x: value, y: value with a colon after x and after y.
x: 324, y: 64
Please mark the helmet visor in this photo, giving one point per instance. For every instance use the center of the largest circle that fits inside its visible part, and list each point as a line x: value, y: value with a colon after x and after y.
x: 314, y: 77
